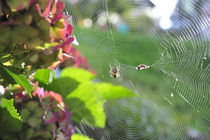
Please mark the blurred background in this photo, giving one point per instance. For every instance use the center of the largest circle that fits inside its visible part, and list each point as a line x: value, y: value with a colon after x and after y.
x: 172, y: 37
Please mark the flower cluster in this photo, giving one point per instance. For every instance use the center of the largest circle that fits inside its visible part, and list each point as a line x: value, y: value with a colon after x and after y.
x: 55, y: 111
x: 34, y: 33
x: 45, y: 112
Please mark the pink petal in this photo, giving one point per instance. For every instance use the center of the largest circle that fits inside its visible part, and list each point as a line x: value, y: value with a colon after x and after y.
x: 69, y: 29
x: 56, y: 18
x: 58, y: 7
x: 54, y: 95
x: 38, y: 91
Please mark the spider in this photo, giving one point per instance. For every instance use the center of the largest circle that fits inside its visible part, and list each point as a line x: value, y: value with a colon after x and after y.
x: 115, y: 72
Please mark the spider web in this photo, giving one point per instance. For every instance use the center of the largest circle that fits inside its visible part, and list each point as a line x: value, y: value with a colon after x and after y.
x: 173, y: 96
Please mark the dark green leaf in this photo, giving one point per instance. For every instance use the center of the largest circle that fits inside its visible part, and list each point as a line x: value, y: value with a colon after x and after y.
x: 109, y: 91
x: 77, y: 74
x: 18, y: 78
x: 10, y: 120
x: 63, y: 86
x: 80, y: 111
x: 6, y: 76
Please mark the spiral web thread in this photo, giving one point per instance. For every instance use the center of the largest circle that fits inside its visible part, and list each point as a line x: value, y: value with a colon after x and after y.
x: 185, y: 64
x: 183, y: 67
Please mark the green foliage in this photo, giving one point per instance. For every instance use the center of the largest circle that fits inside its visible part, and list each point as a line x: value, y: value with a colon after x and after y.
x: 4, y: 74
x: 90, y: 101
x: 14, y: 75
x: 63, y: 86
x: 28, y: 42
x: 84, y: 98
x: 79, y: 137
x: 109, y: 91
x: 86, y: 101
x: 21, y: 80
x: 42, y: 75
x: 8, y: 104
x: 10, y: 120
x: 77, y: 74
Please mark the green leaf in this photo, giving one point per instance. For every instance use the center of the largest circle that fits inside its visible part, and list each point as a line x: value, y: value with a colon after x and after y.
x: 109, y: 91
x: 42, y: 75
x: 8, y: 104
x: 86, y: 105
x: 77, y: 74
x: 18, y: 78
x: 9, y: 117
x: 80, y: 111
x: 4, y: 74
x: 63, y: 86
x: 79, y: 137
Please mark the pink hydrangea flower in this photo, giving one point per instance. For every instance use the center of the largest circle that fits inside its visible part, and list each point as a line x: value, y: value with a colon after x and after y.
x: 60, y: 29
x: 61, y: 115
